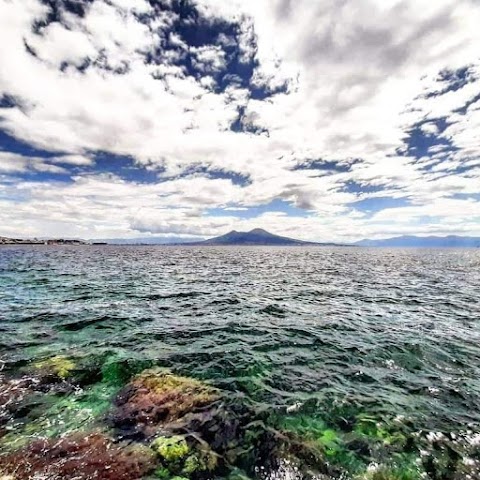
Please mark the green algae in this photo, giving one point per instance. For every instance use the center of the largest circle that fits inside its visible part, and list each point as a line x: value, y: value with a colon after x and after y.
x: 370, y: 427
x: 315, y: 430
x: 58, y: 365
x: 352, y: 450
x: 237, y: 474
x: 202, y: 460
x: 195, y: 464
x: 118, y: 370
x: 171, y: 449
x: 178, y: 457
x: 390, y: 444
x: 163, y: 473
x: 83, y: 407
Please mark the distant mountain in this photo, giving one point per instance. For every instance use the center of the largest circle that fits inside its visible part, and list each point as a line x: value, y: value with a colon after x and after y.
x: 257, y: 236
x: 450, y: 241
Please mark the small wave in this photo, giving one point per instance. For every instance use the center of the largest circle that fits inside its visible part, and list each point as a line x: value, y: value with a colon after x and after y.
x: 274, y: 310
x: 165, y: 296
x: 81, y: 324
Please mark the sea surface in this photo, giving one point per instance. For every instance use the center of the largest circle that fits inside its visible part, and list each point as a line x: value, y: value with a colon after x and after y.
x: 371, y: 354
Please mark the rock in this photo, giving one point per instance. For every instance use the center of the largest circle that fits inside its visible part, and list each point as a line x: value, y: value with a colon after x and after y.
x: 12, y: 393
x: 195, y: 428
x: 59, y: 366
x: 171, y: 449
x: 20, y: 396
x: 157, y: 397
x: 181, y: 458
x: 79, y: 457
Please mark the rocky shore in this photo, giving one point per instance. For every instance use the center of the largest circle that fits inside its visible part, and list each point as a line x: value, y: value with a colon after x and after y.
x: 112, y: 419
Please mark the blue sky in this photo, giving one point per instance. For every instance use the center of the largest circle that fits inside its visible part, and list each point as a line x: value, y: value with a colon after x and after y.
x: 321, y: 120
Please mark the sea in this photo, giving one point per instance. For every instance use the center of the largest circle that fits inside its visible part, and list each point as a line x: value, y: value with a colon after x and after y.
x: 368, y: 356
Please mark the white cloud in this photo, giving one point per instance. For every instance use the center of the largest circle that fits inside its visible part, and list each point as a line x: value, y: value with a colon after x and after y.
x: 15, y: 163
x: 358, y: 77
x: 137, y: 6
x: 57, y: 45
x: 208, y: 59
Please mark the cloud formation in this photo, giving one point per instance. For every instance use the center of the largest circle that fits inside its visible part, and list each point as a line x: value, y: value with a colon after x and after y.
x: 328, y: 120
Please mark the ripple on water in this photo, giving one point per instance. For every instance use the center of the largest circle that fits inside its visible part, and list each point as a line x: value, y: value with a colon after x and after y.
x: 341, y: 333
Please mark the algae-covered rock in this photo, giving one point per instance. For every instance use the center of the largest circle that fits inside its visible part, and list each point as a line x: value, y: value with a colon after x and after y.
x: 229, y: 433
x: 203, y: 460
x: 181, y: 458
x: 453, y: 456
x: 188, y: 428
x: 83, y: 370
x: 79, y: 457
x: 200, y: 429
x: 60, y: 366
x: 171, y: 449
x: 157, y: 397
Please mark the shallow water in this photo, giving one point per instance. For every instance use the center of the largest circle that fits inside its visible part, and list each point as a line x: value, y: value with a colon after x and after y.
x: 329, y: 335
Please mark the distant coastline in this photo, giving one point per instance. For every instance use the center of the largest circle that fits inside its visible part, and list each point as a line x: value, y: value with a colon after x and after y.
x: 258, y: 237
x: 48, y: 241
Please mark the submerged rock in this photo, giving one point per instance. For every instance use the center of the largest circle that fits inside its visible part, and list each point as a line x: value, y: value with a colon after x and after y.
x: 181, y: 458
x: 183, y: 429
x: 157, y: 397
x: 12, y: 393
x: 171, y: 449
x: 60, y: 366
x: 194, y: 427
x: 79, y: 457
x: 20, y: 397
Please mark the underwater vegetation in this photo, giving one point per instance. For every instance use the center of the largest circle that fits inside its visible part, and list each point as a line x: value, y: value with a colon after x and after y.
x: 193, y: 427
x: 92, y: 456
x: 59, y: 365
x: 108, y: 418
x: 156, y: 397
x: 176, y: 456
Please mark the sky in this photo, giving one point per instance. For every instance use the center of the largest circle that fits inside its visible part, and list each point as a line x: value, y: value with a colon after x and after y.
x: 326, y: 120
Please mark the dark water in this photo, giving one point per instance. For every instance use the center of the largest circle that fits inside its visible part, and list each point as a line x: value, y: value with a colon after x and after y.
x: 320, y: 336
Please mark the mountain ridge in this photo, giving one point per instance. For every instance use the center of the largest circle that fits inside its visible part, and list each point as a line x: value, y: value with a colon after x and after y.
x: 430, y: 241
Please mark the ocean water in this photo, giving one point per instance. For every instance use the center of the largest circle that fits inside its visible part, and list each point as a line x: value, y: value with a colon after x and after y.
x: 371, y: 354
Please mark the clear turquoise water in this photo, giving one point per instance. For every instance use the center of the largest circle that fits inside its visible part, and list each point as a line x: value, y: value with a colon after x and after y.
x: 319, y: 337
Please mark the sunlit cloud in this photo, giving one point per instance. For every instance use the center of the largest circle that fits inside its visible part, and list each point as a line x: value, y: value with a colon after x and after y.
x: 326, y: 120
